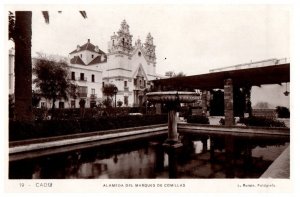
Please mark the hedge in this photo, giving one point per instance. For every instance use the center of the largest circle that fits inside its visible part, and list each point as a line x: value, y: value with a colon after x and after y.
x: 198, y: 119
x: 74, y: 113
x: 263, y: 122
x: 49, y: 128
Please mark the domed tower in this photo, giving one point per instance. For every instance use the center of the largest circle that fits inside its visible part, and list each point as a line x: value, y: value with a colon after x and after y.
x: 122, y: 41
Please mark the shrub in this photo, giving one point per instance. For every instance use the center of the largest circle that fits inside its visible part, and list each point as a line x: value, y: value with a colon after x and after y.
x: 49, y: 128
x: 283, y: 112
x: 263, y: 122
x: 198, y: 119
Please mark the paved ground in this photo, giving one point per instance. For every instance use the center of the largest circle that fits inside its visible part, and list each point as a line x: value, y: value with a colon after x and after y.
x: 280, y: 168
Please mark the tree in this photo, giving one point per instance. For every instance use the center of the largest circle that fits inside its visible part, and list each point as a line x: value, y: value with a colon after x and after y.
x: 109, y: 89
x: 20, y: 31
x: 107, y: 102
x: 119, y: 103
x: 52, y: 79
x: 283, y: 112
x: 180, y: 74
x: 35, y: 99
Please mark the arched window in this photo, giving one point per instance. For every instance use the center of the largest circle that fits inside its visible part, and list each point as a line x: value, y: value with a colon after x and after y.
x: 139, y: 53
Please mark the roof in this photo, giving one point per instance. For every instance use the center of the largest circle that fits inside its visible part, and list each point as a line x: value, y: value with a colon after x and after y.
x: 89, y: 47
x: 275, y: 74
x: 97, y: 60
x: 77, y: 60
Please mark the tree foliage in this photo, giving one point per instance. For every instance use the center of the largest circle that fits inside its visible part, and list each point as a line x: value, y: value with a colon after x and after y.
x: 35, y: 99
x: 119, y: 103
x: 109, y: 89
x: 52, y: 79
x: 283, y: 112
x: 20, y: 31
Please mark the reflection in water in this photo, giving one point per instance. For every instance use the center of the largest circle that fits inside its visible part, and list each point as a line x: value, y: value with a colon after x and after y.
x: 199, y: 157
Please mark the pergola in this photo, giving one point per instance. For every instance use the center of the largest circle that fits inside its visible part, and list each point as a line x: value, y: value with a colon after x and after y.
x: 273, y: 74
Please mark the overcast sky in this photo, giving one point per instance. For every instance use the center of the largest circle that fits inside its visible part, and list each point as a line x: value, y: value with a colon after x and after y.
x: 191, y: 39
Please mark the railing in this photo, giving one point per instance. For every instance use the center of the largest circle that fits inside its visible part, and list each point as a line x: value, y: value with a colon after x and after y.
x: 268, y: 62
x: 82, y: 94
x: 93, y: 96
x: 82, y: 79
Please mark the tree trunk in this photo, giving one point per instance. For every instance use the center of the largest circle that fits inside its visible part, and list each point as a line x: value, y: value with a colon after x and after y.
x: 53, y: 103
x: 23, y: 66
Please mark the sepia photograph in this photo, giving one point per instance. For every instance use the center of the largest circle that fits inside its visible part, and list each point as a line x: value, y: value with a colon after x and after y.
x: 148, y: 96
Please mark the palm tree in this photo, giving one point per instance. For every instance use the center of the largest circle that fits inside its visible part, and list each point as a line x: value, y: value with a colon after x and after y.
x: 20, y: 31
x: 23, y: 69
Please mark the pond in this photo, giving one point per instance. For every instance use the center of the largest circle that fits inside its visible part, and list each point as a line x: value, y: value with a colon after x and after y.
x: 199, y: 157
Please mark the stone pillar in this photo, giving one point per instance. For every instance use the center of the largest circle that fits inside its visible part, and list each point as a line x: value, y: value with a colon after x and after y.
x: 172, y: 126
x: 228, y: 102
x: 204, y: 102
x: 158, y: 108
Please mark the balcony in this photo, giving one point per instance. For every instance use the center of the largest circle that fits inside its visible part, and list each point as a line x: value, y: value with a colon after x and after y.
x: 82, y: 95
x: 93, y: 96
x: 82, y: 78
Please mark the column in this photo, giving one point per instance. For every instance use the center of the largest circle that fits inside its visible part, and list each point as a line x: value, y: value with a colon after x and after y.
x: 172, y: 126
x: 157, y: 108
x: 228, y: 102
x: 204, y: 102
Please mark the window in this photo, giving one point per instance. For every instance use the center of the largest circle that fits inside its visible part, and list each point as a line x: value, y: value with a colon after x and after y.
x: 139, y: 53
x: 43, y: 105
x: 93, y: 78
x: 92, y: 104
x: 93, y: 91
x: 123, y: 41
x: 92, y: 56
x: 73, y: 104
x: 126, y: 100
x: 61, y: 105
x: 82, y: 76
x: 125, y: 83
x: 73, y: 76
x: 82, y: 91
x: 102, y: 84
x: 134, y: 81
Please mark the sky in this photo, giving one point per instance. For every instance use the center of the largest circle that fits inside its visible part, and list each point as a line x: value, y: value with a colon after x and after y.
x: 189, y: 38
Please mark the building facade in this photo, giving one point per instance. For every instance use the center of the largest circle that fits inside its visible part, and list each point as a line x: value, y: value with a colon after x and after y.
x: 129, y: 67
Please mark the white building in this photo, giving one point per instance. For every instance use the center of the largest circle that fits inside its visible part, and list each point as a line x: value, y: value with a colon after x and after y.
x: 129, y: 67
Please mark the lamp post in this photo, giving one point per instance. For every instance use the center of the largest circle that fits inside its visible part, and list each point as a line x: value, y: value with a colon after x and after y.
x: 115, y: 92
